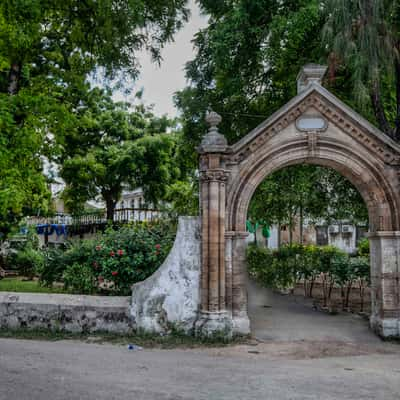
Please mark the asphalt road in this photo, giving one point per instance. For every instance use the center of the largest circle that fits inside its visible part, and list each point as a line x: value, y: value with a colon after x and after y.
x: 300, y: 354
x: 72, y: 370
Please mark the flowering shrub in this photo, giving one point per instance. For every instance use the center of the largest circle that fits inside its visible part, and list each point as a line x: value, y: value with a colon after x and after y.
x: 116, y: 259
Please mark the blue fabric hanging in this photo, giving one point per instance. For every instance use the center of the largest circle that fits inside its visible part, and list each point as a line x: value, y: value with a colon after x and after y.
x: 40, y: 229
x: 60, y: 229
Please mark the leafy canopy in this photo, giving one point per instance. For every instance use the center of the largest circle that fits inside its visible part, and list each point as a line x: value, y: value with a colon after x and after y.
x: 115, y: 148
x: 49, y: 49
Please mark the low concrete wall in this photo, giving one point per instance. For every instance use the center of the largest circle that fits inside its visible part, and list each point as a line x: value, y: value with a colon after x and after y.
x: 171, y: 296
x: 70, y: 313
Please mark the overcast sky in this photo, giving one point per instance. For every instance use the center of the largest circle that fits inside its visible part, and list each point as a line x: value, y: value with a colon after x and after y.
x: 161, y: 82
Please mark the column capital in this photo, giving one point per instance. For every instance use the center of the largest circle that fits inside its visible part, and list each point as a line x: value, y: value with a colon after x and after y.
x: 214, y: 175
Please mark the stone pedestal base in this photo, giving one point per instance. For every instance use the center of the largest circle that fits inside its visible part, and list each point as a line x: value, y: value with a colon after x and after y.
x: 214, y: 324
x: 241, y: 324
x: 385, y: 328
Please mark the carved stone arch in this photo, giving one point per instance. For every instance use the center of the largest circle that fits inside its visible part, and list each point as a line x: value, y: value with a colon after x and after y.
x: 372, y: 185
x: 316, y: 128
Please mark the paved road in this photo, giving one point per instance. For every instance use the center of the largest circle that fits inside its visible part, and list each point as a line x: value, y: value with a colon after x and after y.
x: 70, y: 370
x: 302, y: 354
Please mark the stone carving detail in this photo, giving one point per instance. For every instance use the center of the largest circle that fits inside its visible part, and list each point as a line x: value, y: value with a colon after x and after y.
x: 216, y: 175
x: 331, y: 114
x: 213, y: 141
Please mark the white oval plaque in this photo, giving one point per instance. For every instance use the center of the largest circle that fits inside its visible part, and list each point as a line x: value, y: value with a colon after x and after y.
x: 311, y: 124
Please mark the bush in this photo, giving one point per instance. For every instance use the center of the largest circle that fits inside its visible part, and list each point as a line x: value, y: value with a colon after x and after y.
x: 79, y: 278
x: 363, y: 247
x: 23, y: 254
x: 121, y: 257
x: 53, y: 266
x: 282, y: 268
x: 28, y: 261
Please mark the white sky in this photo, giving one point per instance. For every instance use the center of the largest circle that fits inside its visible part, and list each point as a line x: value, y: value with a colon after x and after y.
x: 161, y: 82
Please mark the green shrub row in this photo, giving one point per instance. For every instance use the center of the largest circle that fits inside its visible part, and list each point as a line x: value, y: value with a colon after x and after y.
x: 109, y: 263
x: 287, y: 266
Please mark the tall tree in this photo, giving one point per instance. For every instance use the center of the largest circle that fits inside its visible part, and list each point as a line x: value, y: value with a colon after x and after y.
x: 246, y: 63
x: 364, y: 36
x: 114, y: 148
x: 48, y: 51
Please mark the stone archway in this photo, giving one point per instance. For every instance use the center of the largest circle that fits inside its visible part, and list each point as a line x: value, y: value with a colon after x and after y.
x: 314, y: 127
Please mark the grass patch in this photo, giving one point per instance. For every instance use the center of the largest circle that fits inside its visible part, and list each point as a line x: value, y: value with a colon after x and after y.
x: 19, y: 285
x: 145, y: 340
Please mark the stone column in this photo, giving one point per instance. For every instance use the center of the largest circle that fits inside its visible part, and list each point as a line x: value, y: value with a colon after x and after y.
x: 213, y: 177
x: 241, y: 322
x: 385, y: 288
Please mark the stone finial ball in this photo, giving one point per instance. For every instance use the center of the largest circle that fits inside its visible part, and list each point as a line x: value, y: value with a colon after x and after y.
x: 213, y: 119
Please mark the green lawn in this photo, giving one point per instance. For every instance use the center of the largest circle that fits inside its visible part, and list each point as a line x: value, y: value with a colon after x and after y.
x: 18, y: 285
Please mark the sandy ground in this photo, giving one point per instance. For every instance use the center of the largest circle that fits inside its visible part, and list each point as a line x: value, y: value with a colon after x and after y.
x: 299, y: 354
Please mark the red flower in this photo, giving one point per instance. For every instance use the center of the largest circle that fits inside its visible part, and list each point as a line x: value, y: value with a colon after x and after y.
x: 100, y: 278
x: 120, y: 252
x: 112, y: 254
x: 158, y: 246
x: 114, y: 273
x: 98, y: 247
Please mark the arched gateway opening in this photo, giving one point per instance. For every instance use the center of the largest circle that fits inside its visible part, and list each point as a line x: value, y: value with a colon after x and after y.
x: 317, y: 128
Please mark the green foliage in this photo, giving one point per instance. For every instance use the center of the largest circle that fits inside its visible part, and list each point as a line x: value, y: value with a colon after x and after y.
x: 49, y: 51
x: 182, y: 198
x: 55, y: 262
x: 113, y: 148
x: 307, y: 191
x: 284, y: 267
x: 28, y: 261
x: 363, y: 247
x: 246, y: 63
x: 245, y: 68
x: 111, y: 262
x: 363, y: 37
x: 79, y: 278
x: 24, y: 254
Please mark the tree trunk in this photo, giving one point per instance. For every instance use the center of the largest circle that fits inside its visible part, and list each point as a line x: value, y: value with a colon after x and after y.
x: 13, y: 78
x: 110, y: 206
x: 301, y: 224
x: 379, y: 110
x: 311, y: 286
x: 279, y: 235
x: 290, y: 230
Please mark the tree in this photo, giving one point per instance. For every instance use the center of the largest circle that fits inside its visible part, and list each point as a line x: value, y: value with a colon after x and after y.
x: 306, y: 192
x: 245, y: 68
x: 49, y: 51
x: 364, y: 37
x: 246, y: 63
x: 113, y: 148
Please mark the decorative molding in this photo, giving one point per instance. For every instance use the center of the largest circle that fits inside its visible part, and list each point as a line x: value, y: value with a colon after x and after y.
x: 215, y: 175
x: 332, y: 114
x: 312, y: 143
